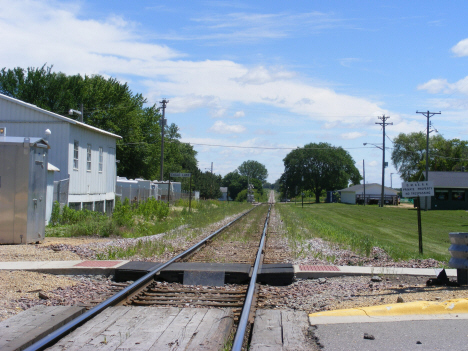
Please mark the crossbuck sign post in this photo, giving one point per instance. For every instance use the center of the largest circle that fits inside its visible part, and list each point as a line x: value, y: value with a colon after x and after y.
x: 417, y: 189
x: 185, y: 175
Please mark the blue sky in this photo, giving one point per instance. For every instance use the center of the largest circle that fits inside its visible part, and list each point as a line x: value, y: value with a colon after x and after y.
x: 263, y: 77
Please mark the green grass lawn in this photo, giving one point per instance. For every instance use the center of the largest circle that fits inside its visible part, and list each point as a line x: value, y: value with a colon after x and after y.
x: 361, y: 227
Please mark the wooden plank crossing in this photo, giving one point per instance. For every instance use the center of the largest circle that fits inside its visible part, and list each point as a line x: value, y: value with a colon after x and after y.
x: 135, y: 328
x: 278, y: 330
x: 24, y: 329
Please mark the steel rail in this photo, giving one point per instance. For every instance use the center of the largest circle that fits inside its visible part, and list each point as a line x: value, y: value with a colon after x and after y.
x: 52, y: 338
x: 244, y: 318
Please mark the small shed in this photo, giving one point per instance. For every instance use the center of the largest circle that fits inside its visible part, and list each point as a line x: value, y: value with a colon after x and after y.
x: 23, y: 186
x: 224, y: 193
x: 355, y: 194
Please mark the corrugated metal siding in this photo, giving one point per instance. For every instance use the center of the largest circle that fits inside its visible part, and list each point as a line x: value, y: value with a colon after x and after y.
x: 18, y: 121
x: 111, y: 168
x: 91, y: 182
x: 22, y: 121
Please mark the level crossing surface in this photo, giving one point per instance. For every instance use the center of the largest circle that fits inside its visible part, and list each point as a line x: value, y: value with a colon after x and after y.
x: 143, y: 328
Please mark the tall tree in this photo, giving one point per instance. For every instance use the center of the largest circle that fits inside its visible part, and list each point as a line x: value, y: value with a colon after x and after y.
x: 208, y: 184
x: 318, y: 167
x: 253, y: 169
x: 409, y: 155
x: 108, y: 105
x: 236, y: 183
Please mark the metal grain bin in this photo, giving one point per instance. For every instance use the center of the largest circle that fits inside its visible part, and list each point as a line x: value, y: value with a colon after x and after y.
x: 459, y: 252
x: 23, y: 186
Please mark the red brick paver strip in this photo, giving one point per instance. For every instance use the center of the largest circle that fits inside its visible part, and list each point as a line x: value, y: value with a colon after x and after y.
x: 97, y: 264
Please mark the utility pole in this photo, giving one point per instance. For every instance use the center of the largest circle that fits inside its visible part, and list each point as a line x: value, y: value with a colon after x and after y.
x: 428, y: 115
x: 364, y: 181
x: 383, y: 124
x: 163, y: 124
x: 211, y: 180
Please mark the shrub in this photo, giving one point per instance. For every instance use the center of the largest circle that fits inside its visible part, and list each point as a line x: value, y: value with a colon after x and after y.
x: 152, y: 209
x: 55, y: 216
x: 123, y: 216
x: 68, y: 216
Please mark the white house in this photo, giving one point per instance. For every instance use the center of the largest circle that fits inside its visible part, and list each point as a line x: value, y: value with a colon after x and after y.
x: 84, y: 154
x: 355, y: 194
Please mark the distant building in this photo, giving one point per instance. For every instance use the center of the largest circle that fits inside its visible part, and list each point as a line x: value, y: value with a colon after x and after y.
x: 355, y: 194
x: 85, y: 155
x: 450, y: 191
x: 224, y: 193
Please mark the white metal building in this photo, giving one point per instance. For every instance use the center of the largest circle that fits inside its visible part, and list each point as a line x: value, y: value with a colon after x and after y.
x: 373, y: 192
x: 84, y: 154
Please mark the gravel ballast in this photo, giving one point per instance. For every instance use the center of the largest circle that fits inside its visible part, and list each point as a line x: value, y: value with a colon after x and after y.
x: 22, y: 290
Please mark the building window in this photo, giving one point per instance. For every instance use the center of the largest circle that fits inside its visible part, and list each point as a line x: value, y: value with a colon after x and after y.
x: 441, y: 194
x: 75, y: 154
x: 458, y: 195
x: 101, y: 159
x: 88, y: 158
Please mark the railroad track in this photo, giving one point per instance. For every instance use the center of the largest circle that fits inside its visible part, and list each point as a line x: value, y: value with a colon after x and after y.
x: 147, y: 291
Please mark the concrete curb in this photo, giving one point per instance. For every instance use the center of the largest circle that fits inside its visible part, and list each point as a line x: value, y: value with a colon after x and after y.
x: 449, y: 309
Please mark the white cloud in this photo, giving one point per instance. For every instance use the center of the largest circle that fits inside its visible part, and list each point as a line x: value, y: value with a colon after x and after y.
x: 373, y: 163
x: 261, y: 75
x: 240, y: 26
x: 352, y: 135
x: 220, y: 112
x: 435, y: 86
x: 36, y: 32
x: 346, y: 62
x: 239, y: 114
x: 461, y: 49
x: 222, y: 128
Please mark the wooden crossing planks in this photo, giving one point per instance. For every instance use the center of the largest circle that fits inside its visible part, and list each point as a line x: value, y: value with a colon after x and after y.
x: 135, y: 328
x: 278, y: 330
x: 24, y: 329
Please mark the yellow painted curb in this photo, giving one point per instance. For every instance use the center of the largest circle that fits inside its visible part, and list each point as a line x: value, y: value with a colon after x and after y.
x: 453, y: 306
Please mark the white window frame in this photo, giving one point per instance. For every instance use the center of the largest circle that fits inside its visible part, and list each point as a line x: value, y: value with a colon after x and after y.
x: 76, y: 148
x: 101, y: 159
x: 88, y: 158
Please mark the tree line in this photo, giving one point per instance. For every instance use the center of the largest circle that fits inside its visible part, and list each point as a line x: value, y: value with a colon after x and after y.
x: 409, y: 155
x: 110, y: 105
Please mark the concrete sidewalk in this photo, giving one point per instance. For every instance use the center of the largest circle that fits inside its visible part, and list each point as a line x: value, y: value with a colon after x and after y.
x: 65, y: 267
x: 313, y: 272
x: 301, y: 271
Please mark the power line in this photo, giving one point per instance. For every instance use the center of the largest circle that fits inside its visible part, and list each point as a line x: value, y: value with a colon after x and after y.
x: 254, y: 147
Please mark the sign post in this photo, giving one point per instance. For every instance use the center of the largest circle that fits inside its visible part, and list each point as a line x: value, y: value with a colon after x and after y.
x: 185, y: 175
x: 190, y: 195
x: 418, y: 189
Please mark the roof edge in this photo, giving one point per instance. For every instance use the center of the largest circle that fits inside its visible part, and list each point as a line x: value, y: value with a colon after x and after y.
x: 55, y: 115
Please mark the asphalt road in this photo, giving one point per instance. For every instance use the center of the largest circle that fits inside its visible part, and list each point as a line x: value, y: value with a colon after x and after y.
x: 436, y: 334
